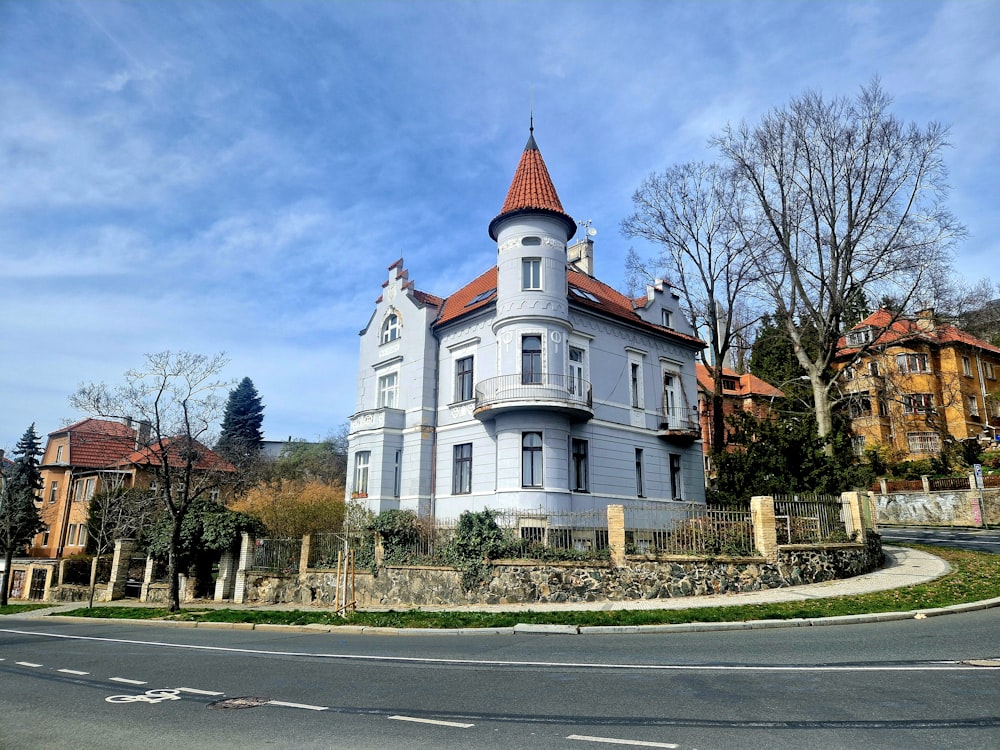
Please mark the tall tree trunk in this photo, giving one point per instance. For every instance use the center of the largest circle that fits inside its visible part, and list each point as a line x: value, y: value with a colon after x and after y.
x: 172, y: 572
x: 718, y: 413
x: 8, y: 561
x: 824, y: 412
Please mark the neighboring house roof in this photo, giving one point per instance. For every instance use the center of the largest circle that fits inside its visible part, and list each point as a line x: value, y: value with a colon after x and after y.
x: 747, y: 384
x: 532, y: 190
x: 597, y: 296
x: 904, y: 330
x: 208, y: 460
x: 95, y: 443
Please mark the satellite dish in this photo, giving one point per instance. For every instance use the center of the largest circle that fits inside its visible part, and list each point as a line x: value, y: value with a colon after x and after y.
x: 591, y: 232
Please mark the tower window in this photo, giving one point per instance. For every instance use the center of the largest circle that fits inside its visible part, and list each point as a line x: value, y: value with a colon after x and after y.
x: 531, y: 240
x: 531, y: 459
x: 390, y: 328
x: 531, y: 273
x: 531, y: 359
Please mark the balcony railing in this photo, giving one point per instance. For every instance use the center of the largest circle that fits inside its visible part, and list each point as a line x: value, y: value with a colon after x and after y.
x: 680, y: 423
x: 544, y: 390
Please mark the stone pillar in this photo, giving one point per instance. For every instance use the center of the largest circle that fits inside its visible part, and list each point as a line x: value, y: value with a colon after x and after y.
x: 119, y: 568
x: 884, y: 485
x: 226, y: 580
x: 853, y: 514
x: 62, y: 572
x: 926, y: 482
x: 239, y: 591
x: 304, y: 554
x: 379, y: 550
x: 147, y: 579
x: 765, y: 532
x: 873, y: 510
x: 616, y: 534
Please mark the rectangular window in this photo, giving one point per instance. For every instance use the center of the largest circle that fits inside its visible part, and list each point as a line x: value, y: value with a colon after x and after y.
x: 531, y: 273
x: 923, y: 442
x: 71, y: 535
x: 88, y: 488
x: 676, y: 489
x: 45, y: 537
x: 53, y: 491
x: 912, y: 363
x: 397, y: 474
x: 966, y: 367
x: 531, y: 359
x: 918, y: 403
x: 859, y: 337
x: 59, y: 454
x: 388, y: 391
x: 670, y: 411
x: 82, y: 541
x: 634, y: 385
x: 78, y: 491
x: 213, y: 494
x: 531, y: 459
x: 576, y: 380
x: 580, y: 480
x: 638, y: 472
x: 873, y: 369
x: 858, y: 445
x: 668, y: 319
x: 461, y: 473
x: 860, y: 406
x: 988, y: 371
x: 973, y: 407
x: 361, y: 459
x: 463, y: 379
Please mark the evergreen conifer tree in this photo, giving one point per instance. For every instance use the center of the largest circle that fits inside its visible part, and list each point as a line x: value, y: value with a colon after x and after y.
x: 19, y: 518
x: 242, y: 438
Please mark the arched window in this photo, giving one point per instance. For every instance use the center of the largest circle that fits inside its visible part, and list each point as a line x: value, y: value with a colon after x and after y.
x: 390, y: 328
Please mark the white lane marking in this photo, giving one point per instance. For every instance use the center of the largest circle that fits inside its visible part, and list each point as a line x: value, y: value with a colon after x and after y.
x: 73, y: 671
x: 127, y: 681
x: 195, y: 691
x: 616, y: 741
x: 298, y: 705
x: 27, y: 664
x: 458, y: 724
x: 940, y: 666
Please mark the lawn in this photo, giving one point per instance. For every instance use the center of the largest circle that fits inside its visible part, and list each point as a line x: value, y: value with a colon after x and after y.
x: 974, y: 576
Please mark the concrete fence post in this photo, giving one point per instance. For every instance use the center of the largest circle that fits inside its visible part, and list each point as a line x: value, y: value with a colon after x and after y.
x: 239, y: 590
x: 147, y: 579
x: 854, y: 519
x: 226, y: 580
x: 304, y: 554
x: 765, y: 530
x: 926, y: 482
x: 616, y: 534
x: 119, y: 568
x: 884, y: 485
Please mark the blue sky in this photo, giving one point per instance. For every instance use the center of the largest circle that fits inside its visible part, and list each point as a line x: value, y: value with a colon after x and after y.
x: 236, y: 176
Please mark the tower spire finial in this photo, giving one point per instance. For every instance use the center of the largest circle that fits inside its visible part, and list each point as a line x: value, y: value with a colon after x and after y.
x: 531, y: 111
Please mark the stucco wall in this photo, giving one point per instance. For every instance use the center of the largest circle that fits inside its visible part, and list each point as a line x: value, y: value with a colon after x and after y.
x: 953, y: 508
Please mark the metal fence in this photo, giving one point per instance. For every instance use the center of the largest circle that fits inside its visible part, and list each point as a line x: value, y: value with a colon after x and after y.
x: 280, y: 555
x: 687, y: 529
x: 808, y: 519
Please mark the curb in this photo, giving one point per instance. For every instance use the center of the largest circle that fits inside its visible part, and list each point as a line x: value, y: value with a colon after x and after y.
x: 545, y: 629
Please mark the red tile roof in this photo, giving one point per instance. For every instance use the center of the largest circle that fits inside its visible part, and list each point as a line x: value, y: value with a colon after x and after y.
x: 532, y: 190
x: 208, y: 460
x: 607, y: 301
x: 905, y: 329
x: 747, y: 383
x: 95, y: 443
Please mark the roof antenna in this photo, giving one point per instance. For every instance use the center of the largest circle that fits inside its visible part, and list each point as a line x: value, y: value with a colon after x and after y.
x: 531, y: 111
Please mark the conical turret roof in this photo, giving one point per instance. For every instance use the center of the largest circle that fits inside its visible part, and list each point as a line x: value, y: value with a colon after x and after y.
x: 532, y: 191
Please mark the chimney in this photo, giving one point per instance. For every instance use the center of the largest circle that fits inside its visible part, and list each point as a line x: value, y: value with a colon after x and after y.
x: 580, y: 255
x: 925, y: 320
x: 142, y: 435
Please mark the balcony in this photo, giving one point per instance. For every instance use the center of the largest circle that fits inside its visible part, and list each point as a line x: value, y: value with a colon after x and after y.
x: 548, y: 391
x: 680, y: 424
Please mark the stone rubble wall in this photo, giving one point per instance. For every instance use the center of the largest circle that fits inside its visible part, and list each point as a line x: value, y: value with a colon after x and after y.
x: 942, y: 508
x: 526, y: 582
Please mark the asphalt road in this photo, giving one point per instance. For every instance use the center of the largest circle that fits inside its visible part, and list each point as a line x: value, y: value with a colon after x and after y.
x: 888, y: 685
x: 978, y: 540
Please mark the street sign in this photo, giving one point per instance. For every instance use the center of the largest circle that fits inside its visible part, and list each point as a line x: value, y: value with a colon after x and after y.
x: 977, y: 469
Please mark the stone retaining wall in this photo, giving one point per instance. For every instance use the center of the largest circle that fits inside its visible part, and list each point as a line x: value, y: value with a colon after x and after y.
x: 942, y: 508
x: 527, y: 582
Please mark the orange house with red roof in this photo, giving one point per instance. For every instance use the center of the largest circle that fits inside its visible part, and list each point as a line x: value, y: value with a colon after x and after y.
x: 533, y: 386
x: 83, y: 459
x: 919, y: 384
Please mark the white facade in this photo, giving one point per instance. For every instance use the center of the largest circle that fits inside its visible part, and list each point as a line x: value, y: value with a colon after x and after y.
x: 533, y: 387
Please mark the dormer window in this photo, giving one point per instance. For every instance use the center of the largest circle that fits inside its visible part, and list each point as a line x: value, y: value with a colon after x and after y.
x: 860, y: 337
x: 390, y: 328
x: 730, y: 384
x: 668, y: 319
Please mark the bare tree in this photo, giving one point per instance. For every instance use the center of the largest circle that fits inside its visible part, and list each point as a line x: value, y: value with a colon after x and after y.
x: 848, y: 198
x: 693, y: 213
x: 175, y: 399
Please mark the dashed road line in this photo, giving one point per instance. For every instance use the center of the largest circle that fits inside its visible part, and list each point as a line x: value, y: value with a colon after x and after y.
x: 127, y: 681
x: 306, y: 706
x: 617, y: 741
x: 27, y: 664
x: 76, y: 672
x: 437, y: 722
x: 195, y: 691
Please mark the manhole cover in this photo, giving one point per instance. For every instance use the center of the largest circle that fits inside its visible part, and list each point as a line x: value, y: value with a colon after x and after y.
x: 247, y: 701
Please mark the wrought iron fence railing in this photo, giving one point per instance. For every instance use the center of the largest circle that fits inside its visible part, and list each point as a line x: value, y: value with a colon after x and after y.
x: 280, y: 555
x: 688, y: 529
x: 806, y: 519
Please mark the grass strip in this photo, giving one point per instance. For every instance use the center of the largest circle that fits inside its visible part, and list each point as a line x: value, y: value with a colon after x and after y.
x: 974, y: 576
x: 13, y: 609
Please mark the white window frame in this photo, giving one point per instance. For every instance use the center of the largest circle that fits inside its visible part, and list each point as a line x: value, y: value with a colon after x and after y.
x: 966, y: 366
x: 973, y: 406
x: 461, y: 471
x: 388, y: 390
x: 392, y: 327
x: 540, y: 335
x: 531, y: 274
x: 465, y: 378
x: 579, y: 462
x: 362, y: 462
x: 532, y: 460
x: 913, y: 362
x: 918, y: 403
x: 923, y: 442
